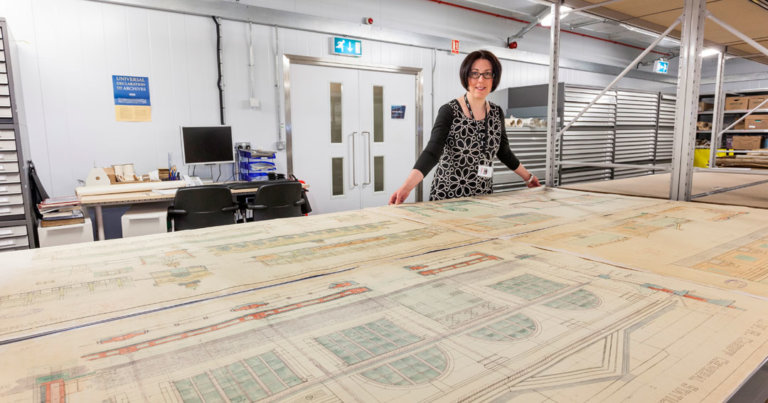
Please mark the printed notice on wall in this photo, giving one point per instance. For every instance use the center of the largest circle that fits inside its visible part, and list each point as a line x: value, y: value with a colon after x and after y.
x: 132, y: 99
x: 398, y: 111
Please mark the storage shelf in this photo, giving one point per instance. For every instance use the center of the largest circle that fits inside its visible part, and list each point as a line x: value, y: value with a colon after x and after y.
x: 734, y: 111
x: 745, y: 131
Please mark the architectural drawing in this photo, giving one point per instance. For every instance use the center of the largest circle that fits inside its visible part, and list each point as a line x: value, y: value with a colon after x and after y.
x: 693, y: 241
x: 169, y: 269
x: 514, y: 297
x: 520, y: 324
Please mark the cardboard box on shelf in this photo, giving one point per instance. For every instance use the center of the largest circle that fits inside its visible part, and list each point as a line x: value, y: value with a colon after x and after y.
x: 756, y: 122
x: 734, y: 103
x: 757, y: 100
x: 747, y: 142
x: 705, y: 106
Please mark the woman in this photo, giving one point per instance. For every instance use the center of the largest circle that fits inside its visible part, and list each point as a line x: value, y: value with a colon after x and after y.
x: 467, y: 134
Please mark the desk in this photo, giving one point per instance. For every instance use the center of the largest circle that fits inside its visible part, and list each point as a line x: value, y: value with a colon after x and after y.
x: 115, y: 199
x: 502, y: 297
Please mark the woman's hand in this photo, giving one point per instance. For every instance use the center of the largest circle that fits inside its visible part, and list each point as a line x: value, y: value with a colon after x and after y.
x: 533, y: 182
x: 411, y: 181
x: 400, y: 195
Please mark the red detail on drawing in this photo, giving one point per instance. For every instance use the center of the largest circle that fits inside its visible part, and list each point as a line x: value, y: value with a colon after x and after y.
x: 122, y: 337
x: 341, y: 285
x: 54, y: 391
x: 248, y: 306
x: 481, y: 257
x: 416, y: 267
x: 223, y: 325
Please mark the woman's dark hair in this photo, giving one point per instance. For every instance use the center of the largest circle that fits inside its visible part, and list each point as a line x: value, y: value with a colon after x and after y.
x: 466, y: 67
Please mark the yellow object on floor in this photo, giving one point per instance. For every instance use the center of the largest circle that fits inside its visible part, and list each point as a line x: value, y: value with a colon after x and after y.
x: 701, y: 156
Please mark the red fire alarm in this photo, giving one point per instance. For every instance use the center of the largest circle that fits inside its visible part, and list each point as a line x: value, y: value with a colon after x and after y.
x: 368, y: 21
x: 512, y: 45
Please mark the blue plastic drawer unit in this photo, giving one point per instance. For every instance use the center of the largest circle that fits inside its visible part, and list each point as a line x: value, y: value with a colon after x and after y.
x: 255, y: 165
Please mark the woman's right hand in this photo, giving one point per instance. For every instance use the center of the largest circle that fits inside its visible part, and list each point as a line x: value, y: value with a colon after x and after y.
x: 399, y: 196
x: 402, y: 193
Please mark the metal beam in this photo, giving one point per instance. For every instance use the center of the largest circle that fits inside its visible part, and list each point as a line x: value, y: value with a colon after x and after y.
x: 531, y: 25
x: 735, y: 78
x: 234, y: 11
x: 596, y: 5
x: 717, y: 109
x: 649, y: 167
x: 686, y: 107
x: 760, y: 48
x: 553, y: 139
x: 621, y: 75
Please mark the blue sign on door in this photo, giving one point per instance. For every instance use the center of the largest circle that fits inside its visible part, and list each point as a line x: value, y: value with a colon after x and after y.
x: 347, y: 47
x: 130, y: 90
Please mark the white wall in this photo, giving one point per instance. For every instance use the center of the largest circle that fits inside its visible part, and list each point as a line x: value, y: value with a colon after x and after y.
x: 67, y: 51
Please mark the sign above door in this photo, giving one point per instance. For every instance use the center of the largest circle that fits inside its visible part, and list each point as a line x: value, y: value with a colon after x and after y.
x: 346, y: 47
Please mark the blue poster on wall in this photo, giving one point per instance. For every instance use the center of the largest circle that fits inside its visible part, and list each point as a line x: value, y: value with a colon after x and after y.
x: 131, y: 90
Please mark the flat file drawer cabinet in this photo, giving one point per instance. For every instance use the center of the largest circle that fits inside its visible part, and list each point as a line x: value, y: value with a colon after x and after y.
x: 16, y: 220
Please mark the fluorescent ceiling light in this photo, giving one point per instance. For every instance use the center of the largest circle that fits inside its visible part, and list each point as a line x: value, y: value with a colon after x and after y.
x: 709, y: 52
x: 667, y: 41
x: 547, y: 20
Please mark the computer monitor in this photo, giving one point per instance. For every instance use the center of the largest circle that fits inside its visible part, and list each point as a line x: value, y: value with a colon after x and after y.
x: 207, y: 145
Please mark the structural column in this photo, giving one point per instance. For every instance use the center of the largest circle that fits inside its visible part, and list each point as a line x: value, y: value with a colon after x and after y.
x: 552, y: 128
x: 686, y: 114
x: 717, y: 109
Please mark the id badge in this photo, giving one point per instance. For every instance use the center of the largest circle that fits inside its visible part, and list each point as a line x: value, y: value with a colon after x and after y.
x: 485, y: 171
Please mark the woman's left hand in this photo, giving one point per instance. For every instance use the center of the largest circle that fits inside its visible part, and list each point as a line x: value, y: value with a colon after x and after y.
x: 533, y: 182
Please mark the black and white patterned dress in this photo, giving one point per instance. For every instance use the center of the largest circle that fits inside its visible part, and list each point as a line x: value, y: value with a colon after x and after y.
x: 458, y: 146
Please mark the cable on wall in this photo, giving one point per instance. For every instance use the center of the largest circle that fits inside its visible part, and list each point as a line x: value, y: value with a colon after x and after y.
x: 220, y: 83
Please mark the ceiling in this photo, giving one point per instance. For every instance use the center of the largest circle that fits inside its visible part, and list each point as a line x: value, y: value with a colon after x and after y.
x: 636, y: 22
x: 746, y: 16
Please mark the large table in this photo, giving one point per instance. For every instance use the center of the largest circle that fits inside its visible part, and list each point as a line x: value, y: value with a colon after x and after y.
x: 538, y: 295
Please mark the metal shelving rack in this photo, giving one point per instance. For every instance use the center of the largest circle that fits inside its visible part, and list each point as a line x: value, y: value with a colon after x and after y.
x: 636, y: 124
x: 16, y: 224
x: 729, y: 116
x: 622, y: 127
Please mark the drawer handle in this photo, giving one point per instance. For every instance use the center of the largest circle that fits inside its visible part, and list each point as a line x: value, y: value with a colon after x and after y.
x: 3, y: 178
x: 6, y: 232
x: 4, y: 189
x: 5, y: 200
x: 7, y: 243
x: 5, y: 210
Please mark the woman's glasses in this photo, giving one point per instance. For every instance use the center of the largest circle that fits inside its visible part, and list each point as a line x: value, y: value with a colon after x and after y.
x: 476, y: 74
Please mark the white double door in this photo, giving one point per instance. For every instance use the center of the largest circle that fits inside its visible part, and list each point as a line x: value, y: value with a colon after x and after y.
x: 353, y: 134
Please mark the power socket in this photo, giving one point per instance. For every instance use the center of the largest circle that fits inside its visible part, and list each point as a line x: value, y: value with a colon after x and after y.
x: 243, y: 146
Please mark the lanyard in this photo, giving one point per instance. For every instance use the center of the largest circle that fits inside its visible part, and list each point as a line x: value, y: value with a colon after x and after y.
x: 487, y: 133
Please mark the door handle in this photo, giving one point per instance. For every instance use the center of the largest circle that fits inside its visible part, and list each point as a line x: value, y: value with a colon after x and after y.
x: 354, y: 163
x: 368, y: 181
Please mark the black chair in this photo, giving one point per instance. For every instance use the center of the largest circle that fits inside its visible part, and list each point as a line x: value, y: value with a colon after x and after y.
x: 202, y: 206
x: 276, y: 200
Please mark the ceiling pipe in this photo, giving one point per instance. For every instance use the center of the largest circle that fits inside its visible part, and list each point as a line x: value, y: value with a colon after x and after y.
x: 506, y: 17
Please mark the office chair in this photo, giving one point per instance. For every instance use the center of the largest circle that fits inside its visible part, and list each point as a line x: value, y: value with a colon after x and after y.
x: 202, y: 206
x: 276, y: 200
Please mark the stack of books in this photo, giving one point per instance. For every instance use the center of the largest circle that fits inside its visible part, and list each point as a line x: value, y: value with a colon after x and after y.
x: 59, y: 211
